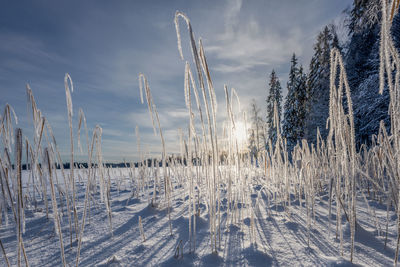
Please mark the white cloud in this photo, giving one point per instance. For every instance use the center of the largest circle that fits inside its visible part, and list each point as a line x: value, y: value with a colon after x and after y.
x: 249, y: 45
x: 231, y: 16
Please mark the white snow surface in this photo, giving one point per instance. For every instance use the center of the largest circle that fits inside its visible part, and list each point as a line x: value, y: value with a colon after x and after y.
x: 281, y: 238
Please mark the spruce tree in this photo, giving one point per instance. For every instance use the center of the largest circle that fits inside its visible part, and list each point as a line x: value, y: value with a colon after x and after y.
x: 318, y: 84
x: 289, y: 115
x: 295, y: 105
x: 274, y: 96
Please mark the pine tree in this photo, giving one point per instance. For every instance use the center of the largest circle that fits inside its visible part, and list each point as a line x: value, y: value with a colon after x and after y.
x: 274, y: 96
x: 295, y: 105
x: 318, y: 84
x: 365, y: 14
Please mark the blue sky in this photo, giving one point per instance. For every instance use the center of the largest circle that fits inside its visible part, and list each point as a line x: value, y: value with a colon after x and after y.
x: 103, y: 45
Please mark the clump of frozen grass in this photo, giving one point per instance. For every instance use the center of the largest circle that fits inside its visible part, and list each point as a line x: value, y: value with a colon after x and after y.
x: 202, y: 68
x: 341, y: 140
x: 143, y: 83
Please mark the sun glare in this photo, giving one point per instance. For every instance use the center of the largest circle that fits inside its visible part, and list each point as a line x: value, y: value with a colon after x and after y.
x: 240, y: 132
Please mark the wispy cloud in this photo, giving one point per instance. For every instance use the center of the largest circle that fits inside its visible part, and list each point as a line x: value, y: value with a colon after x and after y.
x: 245, y: 44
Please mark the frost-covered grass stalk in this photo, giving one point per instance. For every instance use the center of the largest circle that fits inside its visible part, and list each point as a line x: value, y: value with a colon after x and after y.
x: 69, y: 87
x: 389, y: 75
x: 191, y: 131
x: 4, y: 254
x: 20, y: 205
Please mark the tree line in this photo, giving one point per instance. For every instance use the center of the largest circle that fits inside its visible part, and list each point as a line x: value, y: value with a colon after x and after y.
x: 304, y: 112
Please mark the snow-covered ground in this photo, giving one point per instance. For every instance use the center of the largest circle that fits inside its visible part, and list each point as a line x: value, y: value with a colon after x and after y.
x: 280, y: 239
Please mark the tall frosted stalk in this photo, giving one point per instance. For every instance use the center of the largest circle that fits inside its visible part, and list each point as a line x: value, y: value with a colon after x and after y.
x: 69, y: 87
x: 389, y: 66
x: 20, y: 207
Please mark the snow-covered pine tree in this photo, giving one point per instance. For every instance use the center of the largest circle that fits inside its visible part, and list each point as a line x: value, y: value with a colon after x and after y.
x: 274, y: 95
x: 295, y: 105
x: 289, y: 114
x: 318, y: 84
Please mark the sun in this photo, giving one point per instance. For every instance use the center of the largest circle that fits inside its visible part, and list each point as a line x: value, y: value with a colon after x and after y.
x: 240, y: 133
